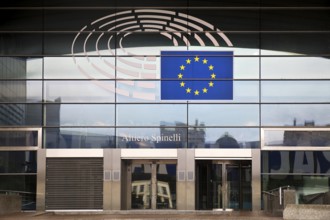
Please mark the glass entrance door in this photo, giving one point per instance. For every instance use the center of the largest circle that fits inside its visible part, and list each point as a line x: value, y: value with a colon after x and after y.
x: 153, y: 185
x: 224, y: 185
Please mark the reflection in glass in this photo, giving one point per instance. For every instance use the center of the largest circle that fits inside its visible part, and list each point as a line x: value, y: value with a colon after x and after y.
x: 18, y: 162
x: 141, y: 186
x: 18, y: 138
x: 80, y: 115
x: 148, y: 91
x: 151, y: 115
x: 201, y: 137
x: 309, y: 189
x: 295, y: 68
x: 20, y: 91
x: 20, y: 114
x: 295, y: 115
x: 79, y: 91
x: 20, y: 68
x: 138, y: 67
x: 24, y: 185
x: 223, y: 115
x: 295, y: 91
x: 79, y: 137
x: 79, y: 68
x: 319, y: 45
x: 276, y: 162
x: 162, y: 137
x: 166, y: 186
x: 297, y: 138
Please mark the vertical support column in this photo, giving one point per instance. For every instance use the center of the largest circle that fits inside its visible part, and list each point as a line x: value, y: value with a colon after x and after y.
x: 41, y: 180
x: 191, y: 176
x: 111, y: 181
x: 116, y: 179
x: 256, y: 180
x: 186, y: 179
x: 107, y: 160
x: 153, y: 186
x: 181, y: 180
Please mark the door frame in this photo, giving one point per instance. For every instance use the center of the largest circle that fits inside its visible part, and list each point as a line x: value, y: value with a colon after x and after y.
x: 224, y: 186
x: 153, y: 163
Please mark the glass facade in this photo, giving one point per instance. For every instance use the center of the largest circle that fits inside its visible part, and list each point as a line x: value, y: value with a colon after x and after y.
x: 90, y: 77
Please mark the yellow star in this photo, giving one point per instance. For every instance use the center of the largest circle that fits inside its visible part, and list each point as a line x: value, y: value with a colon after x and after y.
x: 213, y: 76
x: 196, y: 59
x: 196, y: 92
x: 180, y: 76
x: 205, y: 61
x: 182, y: 84
x: 188, y: 90
x: 211, y: 67
x: 188, y: 61
x: 182, y: 67
x: 205, y: 90
x: 211, y: 84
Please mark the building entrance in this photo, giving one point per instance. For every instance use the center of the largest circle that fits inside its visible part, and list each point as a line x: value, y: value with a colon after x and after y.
x: 224, y: 185
x: 151, y: 184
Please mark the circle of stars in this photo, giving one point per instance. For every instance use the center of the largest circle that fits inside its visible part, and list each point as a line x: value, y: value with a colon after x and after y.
x: 212, y: 76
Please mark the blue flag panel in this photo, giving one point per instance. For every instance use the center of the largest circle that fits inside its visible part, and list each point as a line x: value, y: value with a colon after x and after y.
x: 196, y: 75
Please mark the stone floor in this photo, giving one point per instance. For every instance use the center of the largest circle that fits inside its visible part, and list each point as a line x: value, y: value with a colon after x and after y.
x: 137, y: 215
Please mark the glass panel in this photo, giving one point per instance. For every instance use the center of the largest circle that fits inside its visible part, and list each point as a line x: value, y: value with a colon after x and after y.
x: 217, y: 186
x: 22, y: 20
x: 201, y: 137
x: 83, y: 44
x: 222, y: 3
x: 295, y: 20
x: 79, y: 91
x: 246, y: 189
x: 79, y: 138
x: 231, y: 19
x: 80, y: 115
x: 20, y: 44
x: 172, y: 4
x: 151, y: 115
x: 297, y: 138
x: 295, y: 91
x: 223, y: 115
x: 72, y: 19
x: 295, y: 68
x: 18, y: 162
x: 294, y: 3
x: 166, y: 186
x: 307, y: 187
x: 149, y: 91
x: 141, y: 186
x: 138, y: 67
x: 23, y: 185
x: 150, y: 42
x: 18, y: 138
x: 20, y: 114
x: 246, y: 67
x: 20, y: 91
x: 233, y: 186
x: 280, y: 162
x: 79, y: 68
x: 163, y: 137
x: 295, y: 115
x: 82, y: 3
x: 20, y: 68
x: 242, y: 43
x: 295, y: 43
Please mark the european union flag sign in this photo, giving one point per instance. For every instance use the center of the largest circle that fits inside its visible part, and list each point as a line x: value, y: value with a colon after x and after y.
x: 191, y: 75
